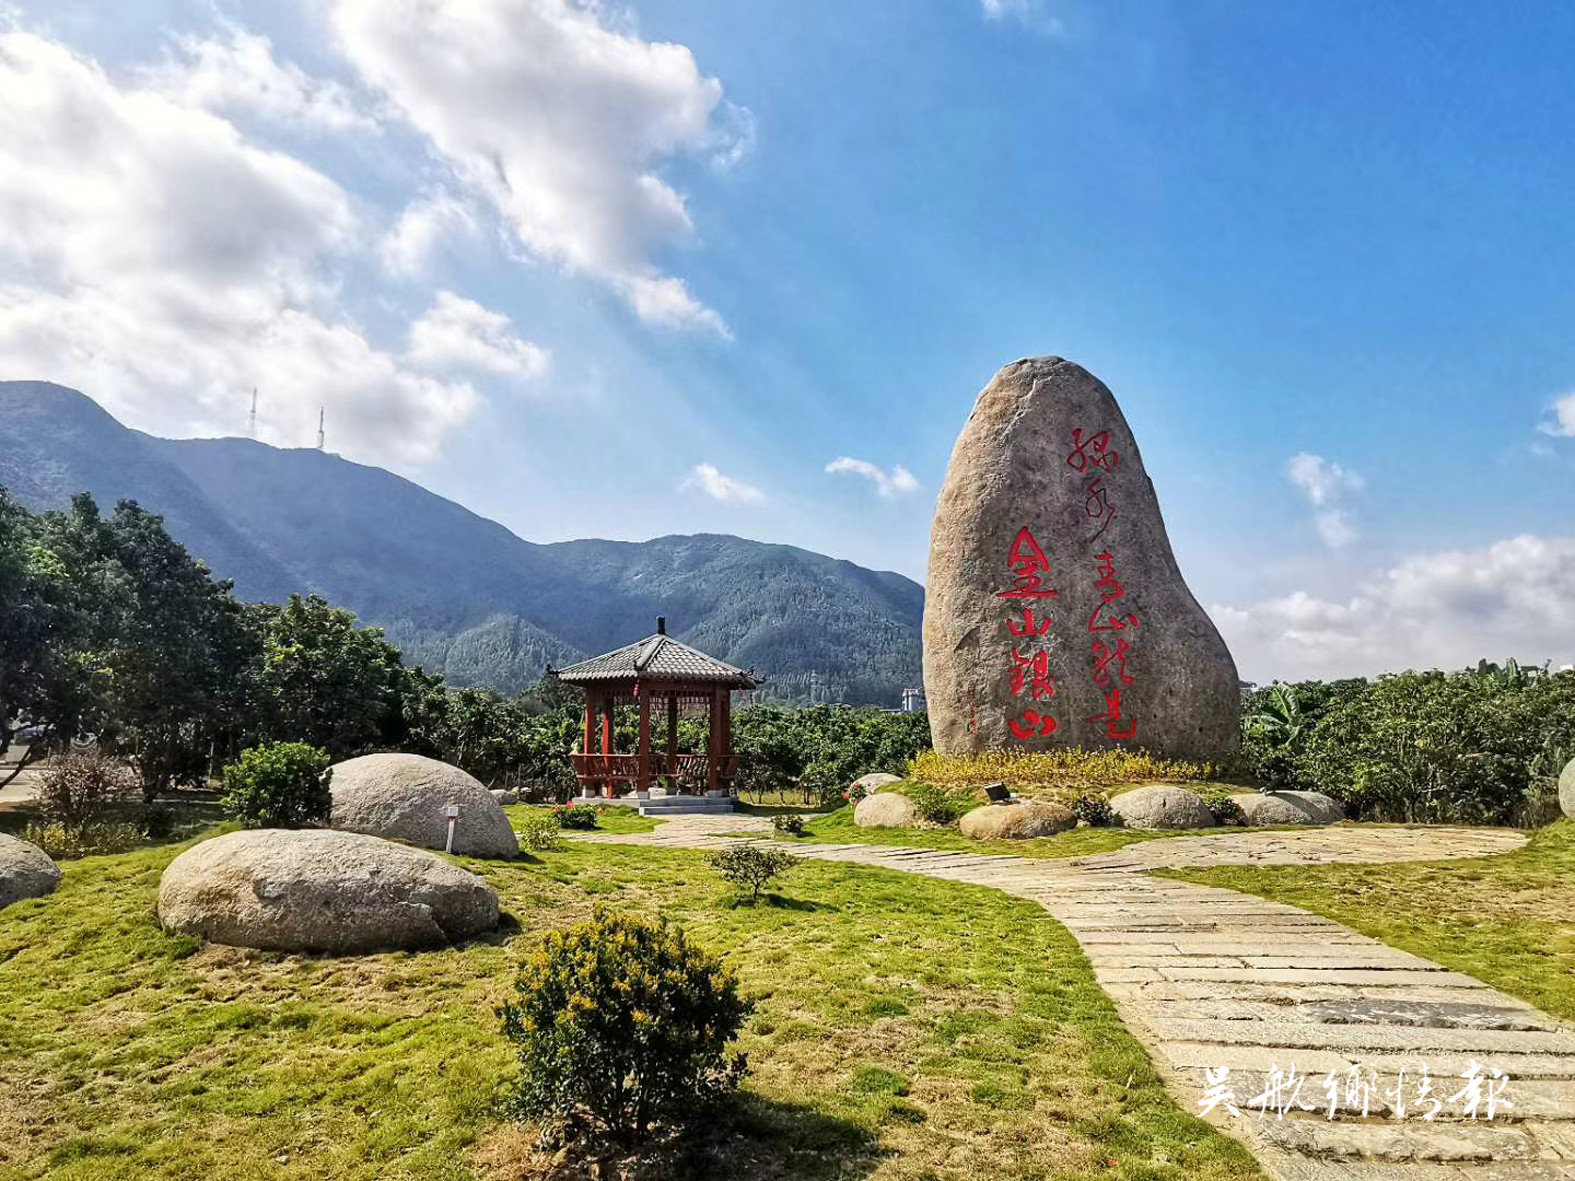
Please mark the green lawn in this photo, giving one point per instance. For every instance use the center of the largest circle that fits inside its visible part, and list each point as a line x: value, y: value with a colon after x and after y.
x: 618, y: 818
x: 837, y: 828
x: 907, y: 1028
x: 1508, y: 920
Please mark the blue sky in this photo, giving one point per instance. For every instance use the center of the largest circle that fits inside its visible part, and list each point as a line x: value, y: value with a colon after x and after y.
x: 625, y: 271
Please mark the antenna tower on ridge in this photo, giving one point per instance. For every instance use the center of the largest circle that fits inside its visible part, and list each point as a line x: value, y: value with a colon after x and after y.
x: 251, y: 419
x: 320, y: 428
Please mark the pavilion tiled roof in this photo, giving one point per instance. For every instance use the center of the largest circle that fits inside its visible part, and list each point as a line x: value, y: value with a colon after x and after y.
x: 656, y: 658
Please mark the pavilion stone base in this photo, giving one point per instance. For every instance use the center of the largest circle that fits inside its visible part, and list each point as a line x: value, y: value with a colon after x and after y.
x: 657, y: 804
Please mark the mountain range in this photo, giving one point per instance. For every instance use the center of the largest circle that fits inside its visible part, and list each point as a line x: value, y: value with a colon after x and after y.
x: 458, y: 593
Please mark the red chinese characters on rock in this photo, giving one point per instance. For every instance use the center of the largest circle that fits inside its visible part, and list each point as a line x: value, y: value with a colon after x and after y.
x: 1110, y: 660
x: 1093, y: 459
x: 1028, y: 562
x: 1030, y: 671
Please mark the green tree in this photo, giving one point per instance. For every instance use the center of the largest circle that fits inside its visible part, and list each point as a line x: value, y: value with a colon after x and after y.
x: 161, y: 660
x: 324, y: 681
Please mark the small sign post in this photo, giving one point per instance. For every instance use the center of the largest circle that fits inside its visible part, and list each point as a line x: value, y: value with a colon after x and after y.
x: 451, y: 814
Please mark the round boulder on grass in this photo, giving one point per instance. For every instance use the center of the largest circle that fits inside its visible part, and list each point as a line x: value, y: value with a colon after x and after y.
x: 319, y: 890
x: 1162, y: 806
x: 26, y: 871
x: 889, y: 809
x: 876, y: 781
x: 1289, y: 807
x: 1017, y: 822
x: 503, y: 796
x: 1567, y: 789
x: 403, y: 798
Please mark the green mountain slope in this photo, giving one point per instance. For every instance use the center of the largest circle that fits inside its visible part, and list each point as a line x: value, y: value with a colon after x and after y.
x: 457, y: 592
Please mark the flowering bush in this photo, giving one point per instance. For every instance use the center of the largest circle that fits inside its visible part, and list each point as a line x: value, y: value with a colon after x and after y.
x: 1066, y: 770
x: 620, y: 1022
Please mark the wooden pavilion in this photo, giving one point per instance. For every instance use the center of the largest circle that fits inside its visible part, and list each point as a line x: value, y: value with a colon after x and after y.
x: 661, y: 676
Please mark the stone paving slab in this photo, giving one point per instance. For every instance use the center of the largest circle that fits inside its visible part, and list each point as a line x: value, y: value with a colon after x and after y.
x: 1209, y: 978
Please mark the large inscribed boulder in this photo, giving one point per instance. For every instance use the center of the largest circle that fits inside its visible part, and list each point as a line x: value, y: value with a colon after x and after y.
x: 26, y: 871
x: 1055, y: 614
x: 317, y: 890
x: 404, y: 798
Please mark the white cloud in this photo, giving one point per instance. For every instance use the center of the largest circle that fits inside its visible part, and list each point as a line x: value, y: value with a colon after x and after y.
x: 237, y: 73
x: 724, y: 488
x: 458, y: 333
x: 1440, y: 610
x: 1562, y: 422
x: 160, y: 261
x: 1326, y: 485
x: 561, y: 120
x: 1029, y: 13
x: 423, y: 226
x: 888, y: 484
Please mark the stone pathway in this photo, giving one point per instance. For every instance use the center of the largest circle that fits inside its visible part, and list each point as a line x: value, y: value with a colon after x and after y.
x: 1210, y: 978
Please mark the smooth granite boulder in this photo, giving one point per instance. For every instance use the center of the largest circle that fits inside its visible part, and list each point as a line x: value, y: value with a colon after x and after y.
x: 1162, y: 806
x: 1289, y: 807
x: 403, y: 798
x: 503, y: 796
x: 1055, y: 614
x: 1021, y: 821
x: 319, y: 890
x: 876, y: 781
x: 26, y: 871
x: 887, y: 809
x: 1567, y: 789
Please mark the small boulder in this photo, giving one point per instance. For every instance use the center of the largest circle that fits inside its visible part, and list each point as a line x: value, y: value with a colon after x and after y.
x: 1162, y: 806
x: 319, y: 890
x: 876, y: 781
x: 888, y: 809
x: 1017, y: 822
x: 1289, y: 807
x: 1567, y: 789
x: 26, y: 871
x: 503, y: 796
x: 403, y: 798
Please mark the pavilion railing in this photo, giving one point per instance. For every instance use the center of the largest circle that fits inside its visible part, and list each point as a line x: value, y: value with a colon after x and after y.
x: 693, y: 771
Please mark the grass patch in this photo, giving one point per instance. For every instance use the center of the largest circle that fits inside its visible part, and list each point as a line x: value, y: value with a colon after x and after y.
x: 618, y: 818
x: 124, y: 1052
x: 837, y: 828
x: 1507, y: 920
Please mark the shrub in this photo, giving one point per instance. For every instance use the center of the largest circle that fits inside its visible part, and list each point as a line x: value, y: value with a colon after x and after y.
x: 83, y: 789
x: 1094, y: 810
x: 855, y: 793
x: 622, y: 1022
x: 538, y: 831
x: 792, y: 826
x: 280, y: 785
x: 751, y: 866
x: 936, y: 804
x: 1224, y: 809
x: 1054, y: 771
x: 577, y: 816
x: 101, y: 836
